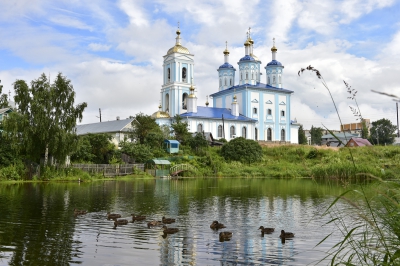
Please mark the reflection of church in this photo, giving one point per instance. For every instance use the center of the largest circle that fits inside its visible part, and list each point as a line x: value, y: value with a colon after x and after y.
x: 249, y: 109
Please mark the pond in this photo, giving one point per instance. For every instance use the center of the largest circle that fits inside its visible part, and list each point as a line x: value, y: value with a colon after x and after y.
x: 38, y: 226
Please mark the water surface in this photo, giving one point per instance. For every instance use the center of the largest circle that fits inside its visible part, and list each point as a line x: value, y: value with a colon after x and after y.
x: 37, y: 225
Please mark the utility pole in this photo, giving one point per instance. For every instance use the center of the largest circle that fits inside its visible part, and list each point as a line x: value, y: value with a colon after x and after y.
x: 397, y: 113
x: 99, y: 114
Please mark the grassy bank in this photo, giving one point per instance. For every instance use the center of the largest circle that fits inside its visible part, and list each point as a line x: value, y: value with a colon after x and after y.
x: 291, y: 161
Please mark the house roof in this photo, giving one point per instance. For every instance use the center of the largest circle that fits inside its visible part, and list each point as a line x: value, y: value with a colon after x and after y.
x: 157, y: 161
x: 104, y: 127
x: 258, y: 86
x: 171, y: 141
x: 207, y: 135
x: 5, y: 110
x: 340, y: 135
x: 361, y: 142
x: 216, y: 113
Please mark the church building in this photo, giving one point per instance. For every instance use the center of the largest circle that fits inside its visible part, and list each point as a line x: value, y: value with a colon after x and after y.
x: 247, y: 108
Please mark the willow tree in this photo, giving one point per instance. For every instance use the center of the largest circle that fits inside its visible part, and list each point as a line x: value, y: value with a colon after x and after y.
x: 45, y: 118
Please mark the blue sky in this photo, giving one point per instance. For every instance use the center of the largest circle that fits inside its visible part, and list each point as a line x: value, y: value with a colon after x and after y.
x: 112, y: 50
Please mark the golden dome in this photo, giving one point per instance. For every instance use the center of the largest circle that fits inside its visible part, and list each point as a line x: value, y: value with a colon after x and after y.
x: 247, y: 43
x: 160, y: 114
x: 226, y: 51
x: 250, y: 40
x: 274, y: 49
x: 178, y: 49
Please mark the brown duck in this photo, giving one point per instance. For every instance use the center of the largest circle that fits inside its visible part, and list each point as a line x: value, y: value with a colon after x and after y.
x: 217, y: 225
x: 286, y: 234
x: 120, y: 222
x: 167, y: 230
x: 113, y: 216
x: 153, y: 223
x: 167, y: 220
x: 267, y: 230
x: 79, y: 212
x: 138, y: 217
x: 225, y: 235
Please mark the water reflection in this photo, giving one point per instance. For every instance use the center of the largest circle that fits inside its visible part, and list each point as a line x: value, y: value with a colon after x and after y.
x: 38, y: 226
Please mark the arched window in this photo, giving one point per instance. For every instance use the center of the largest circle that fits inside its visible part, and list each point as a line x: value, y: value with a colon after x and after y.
x: 200, y: 128
x: 247, y: 75
x: 230, y: 82
x: 219, y: 131
x: 282, y: 135
x: 233, y: 132
x: 255, y: 111
x: 269, y: 134
x: 244, y: 129
x: 169, y: 74
x: 280, y: 79
x: 273, y: 79
x: 184, y: 74
x: 184, y: 101
x: 252, y: 74
x: 166, y: 102
x: 269, y: 112
x: 241, y: 75
x: 256, y: 134
x: 220, y: 82
x: 225, y: 82
x: 269, y: 81
x: 282, y: 113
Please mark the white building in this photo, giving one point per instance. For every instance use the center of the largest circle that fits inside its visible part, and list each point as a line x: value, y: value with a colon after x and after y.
x: 247, y: 108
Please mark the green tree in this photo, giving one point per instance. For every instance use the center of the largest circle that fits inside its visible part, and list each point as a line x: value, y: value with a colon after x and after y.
x: 198, y: 142
x: 382, y: 132
x: 180, y: 130
x: 243, y: 150
x: 95, y: 148
x: 7, y: 154
x: 45, y: 118
x: 139, y: 152
x: 302, y: 136
x: 316, y: 135
x: 3, y: 98
x: 143, y: 125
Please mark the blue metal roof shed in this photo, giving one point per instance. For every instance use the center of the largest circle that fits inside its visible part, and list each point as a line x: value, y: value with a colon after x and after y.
x: 171, y: 146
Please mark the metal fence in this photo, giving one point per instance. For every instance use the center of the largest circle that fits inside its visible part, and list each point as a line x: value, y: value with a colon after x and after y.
x: 109, y: 169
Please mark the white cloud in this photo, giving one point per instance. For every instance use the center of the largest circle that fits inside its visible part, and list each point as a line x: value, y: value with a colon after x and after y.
x: 137, y: 14
x: 99, y: 47
x: 67, y: 21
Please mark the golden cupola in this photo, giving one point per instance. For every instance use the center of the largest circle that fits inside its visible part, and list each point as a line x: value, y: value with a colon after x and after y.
x: 178, y: 48
x: 160, y: 113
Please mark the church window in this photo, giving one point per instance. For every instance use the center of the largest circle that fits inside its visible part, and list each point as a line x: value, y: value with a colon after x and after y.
x: 233, y: 132
x: 280, y: 79
x: 282, y: 113
x: 247, y: 75
x: 252, y: 74
x: 273, y: 79
x: 241, y: 75
x: 200, y: 128
x: 282, y: 135
x: 269, y: 112
x: 244, y: 129
x: 169, y: 74
x: 269, y: 81
x: 220, y: 82
x: 256, y: 134
x: 269, y: 134
x: 230, y: 82
x: 184, y: 74
x: 167, y: 102
x: 219, y: 131
x: 255, y: 111
x: 184, y: 101
x: 225, y: 82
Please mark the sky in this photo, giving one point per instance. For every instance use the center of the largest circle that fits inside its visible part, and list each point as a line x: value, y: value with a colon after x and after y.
x: 112, y: 51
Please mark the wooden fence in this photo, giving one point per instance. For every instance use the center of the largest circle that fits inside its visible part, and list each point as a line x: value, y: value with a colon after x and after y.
x: 109, y: 169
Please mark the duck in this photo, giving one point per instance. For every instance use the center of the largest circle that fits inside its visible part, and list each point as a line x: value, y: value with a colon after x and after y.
x: 217, y: 225
x: 113, y: 216
x: 120, y: 222
x: 153, y: 223
x: 267, y: 230
x: 286, y: 234
x: 167, y: 230
x: 79, y: 212
x: 225, y: 235
x: 138, y: 217
x: 168, y: 220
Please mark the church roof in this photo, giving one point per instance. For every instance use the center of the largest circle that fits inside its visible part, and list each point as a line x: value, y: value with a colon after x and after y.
x: 274, y: 63
x: 258, y: 86
x: 178, y: 49
x: 247, y: 58
x: 226, y: 65
x: 216, y: 113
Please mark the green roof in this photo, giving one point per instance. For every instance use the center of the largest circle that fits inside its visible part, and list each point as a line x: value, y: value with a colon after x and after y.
x: 156, y: 161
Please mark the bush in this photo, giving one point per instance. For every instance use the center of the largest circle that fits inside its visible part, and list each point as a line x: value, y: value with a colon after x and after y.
x: 243, y: 150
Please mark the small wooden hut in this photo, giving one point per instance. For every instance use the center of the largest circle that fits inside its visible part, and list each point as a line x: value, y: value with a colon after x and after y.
x: 171, y: 145
x: 158, y: 168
